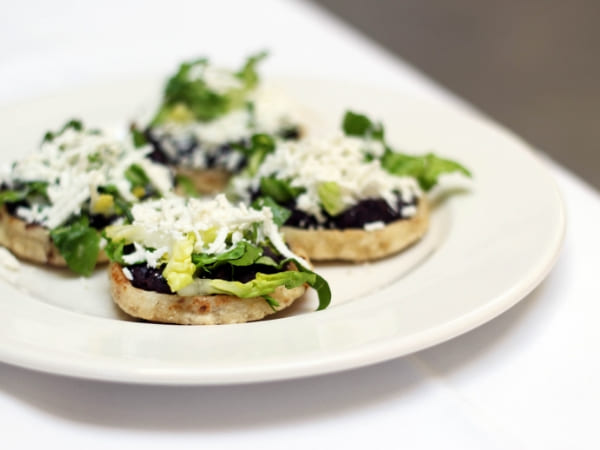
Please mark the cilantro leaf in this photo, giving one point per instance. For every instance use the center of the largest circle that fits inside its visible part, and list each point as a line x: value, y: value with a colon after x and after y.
x: 136, y: 176
x: 279, y: 190
x: 259, y: 147
x: 12, y: 196
x: 138, y: 138
x: 24, y: 191
x: 75, y: 124
x: 248, y: 72
x: 79, y: 245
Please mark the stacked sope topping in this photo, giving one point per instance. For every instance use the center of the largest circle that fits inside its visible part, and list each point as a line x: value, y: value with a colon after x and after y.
x: 57, y: 200
x: 205, y: 261
x: 324, y: 181
x: 208, y: 114
x: 349, y: 196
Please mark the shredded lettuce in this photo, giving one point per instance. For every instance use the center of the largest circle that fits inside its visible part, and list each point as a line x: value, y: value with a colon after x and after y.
x: 330, y: 195
x: 263, y: 286
x: 180, y: 269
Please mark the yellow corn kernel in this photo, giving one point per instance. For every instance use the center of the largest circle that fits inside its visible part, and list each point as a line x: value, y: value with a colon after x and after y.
x: 104, y: 204
x: 138, y: 191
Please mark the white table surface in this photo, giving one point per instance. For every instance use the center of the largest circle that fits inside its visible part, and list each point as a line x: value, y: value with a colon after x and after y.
x: 528, y: 379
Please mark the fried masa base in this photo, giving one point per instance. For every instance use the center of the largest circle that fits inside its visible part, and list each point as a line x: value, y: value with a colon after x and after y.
x: 31, y: 242
x: 357, y: 244
x: 206, y: 181
x: 197, y: 309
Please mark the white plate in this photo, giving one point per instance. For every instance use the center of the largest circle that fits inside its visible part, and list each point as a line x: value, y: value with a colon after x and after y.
x: 485, y: 251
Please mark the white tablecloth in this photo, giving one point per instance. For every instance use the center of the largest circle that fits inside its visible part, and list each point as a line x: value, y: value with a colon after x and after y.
x: 528, y: 379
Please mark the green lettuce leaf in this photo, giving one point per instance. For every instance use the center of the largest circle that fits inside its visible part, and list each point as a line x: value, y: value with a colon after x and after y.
x: 248, y: 73
x: 264, y: 285
x: 79, y: 245
x: 24, y: 191
x: 320, y: 285
x: 12, y: 196
x: 279, y: 190
x: 114, y: 249
x: 426, y: 168
x: 136, y: 176
x: 330, y: 195
x: 243, y: 254
x: 137, y: 137
x: 355, y: 124
x: 280, y: 214
x: 256, y: 150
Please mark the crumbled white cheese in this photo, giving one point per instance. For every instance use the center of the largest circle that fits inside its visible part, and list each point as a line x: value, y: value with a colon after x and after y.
x: 74, y: 164
x: 137, y: 256
x: 159, y: 224
x: 273, y: 110
x: 127, y: 273
x: 373, y: 226
x: 340, y: 159
x: 409, y: 211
